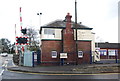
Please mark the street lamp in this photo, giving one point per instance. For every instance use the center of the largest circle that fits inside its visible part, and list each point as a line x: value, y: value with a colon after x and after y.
x: 40, y: 59
x: 39, y: 14
x: 39, y: 18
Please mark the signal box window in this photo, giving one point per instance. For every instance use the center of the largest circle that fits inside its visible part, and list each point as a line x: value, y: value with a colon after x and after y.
x: 49, y: 31
x: 80, y: 54
x: 54, y: 54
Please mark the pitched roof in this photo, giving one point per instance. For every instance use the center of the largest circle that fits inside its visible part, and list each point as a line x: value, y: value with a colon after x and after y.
x: 62, y: 24
x: 108, y: 45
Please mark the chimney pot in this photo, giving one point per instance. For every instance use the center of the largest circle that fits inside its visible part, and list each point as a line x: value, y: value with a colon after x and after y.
x: 68, y: 13
x: 106, y: 42
x: 68, y: 17
x: 80, y: 22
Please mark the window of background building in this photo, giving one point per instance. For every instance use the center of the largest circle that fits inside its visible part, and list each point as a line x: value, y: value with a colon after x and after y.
x: 103, y: 52
x: 54, y: 54
x: 111, y: 52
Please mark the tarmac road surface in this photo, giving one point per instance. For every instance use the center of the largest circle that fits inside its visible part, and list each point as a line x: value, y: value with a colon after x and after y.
x: 3, y: 64
x: 23, y: 75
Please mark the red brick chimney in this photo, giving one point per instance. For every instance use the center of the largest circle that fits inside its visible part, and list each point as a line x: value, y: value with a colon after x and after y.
x: 68, y: 36
x: 68, y: 17
x: 68, y: 21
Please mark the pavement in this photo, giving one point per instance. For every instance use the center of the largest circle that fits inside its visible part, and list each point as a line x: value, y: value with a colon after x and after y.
x: 69, y: 69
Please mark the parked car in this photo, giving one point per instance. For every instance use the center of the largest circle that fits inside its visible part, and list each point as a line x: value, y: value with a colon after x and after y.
x: 4, y: 54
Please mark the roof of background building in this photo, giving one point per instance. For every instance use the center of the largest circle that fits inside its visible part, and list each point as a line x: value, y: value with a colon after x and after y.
x: 107, y: 45
x: 62, y: 24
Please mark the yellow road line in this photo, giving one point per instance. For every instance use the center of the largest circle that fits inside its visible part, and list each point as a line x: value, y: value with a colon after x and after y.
x: 64, y: 74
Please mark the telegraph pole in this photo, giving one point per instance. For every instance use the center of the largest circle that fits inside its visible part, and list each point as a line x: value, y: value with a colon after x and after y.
x: 76, y: 31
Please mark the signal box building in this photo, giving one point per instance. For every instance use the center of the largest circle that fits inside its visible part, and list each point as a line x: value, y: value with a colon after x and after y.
x: 58, y: 43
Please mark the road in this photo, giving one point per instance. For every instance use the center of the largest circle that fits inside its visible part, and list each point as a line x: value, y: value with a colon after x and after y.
x: 0, y: 67
x: 22, y: 75
x: 4, y: 62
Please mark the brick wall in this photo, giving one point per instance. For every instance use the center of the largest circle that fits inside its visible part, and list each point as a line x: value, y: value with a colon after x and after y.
x: 84, y: 46
x: 46, y: 48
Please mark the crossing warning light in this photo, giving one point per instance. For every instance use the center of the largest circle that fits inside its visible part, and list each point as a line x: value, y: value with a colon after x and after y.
x: 22, y: 40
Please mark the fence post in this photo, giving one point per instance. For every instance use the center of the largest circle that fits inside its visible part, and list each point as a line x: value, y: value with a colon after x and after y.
x: 33, y: 58
x: 38, y: 57
x: 90, y: 57
x: 62, y: 61
x: 116, y: 57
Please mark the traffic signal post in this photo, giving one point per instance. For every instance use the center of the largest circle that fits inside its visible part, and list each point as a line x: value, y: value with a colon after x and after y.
x: 22, y: 42
x: 24, y: 31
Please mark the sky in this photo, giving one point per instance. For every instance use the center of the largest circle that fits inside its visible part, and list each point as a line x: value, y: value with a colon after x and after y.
x: 101, y: 15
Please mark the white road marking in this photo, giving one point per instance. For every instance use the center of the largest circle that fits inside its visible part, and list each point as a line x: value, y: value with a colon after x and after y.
x: 4, y: 65
x: 13, y: 64
x: 1, y: 72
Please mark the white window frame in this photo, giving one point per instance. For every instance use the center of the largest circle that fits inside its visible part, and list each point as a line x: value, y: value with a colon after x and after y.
x: 54, y: 54
x: 103, y: 52
x: 111, y: 52
x: 49, y: 31
x: 80, y: 54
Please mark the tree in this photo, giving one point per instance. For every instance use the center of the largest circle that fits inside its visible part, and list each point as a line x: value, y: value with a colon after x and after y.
x: 5, y: 45
x: 33, y: 39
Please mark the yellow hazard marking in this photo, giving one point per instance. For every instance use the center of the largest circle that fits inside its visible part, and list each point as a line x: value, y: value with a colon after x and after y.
x: 63, y: 73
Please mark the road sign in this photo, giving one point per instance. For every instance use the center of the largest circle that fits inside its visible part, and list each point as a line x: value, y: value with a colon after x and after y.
x: 63, y: 55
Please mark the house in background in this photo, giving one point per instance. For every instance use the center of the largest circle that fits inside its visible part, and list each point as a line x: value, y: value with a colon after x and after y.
x: 109, y: 51
x: 58, y: 43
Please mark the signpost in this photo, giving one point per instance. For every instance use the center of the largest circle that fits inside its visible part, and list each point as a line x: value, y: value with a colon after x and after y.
x: 62, y: 57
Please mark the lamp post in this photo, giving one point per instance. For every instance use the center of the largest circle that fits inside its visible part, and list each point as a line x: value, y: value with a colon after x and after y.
x: 39, y: 56
x: 39, y: 18
x: 39, y: 14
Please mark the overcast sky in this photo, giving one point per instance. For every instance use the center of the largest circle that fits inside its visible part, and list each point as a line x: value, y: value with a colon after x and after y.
x: 101, y: 15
